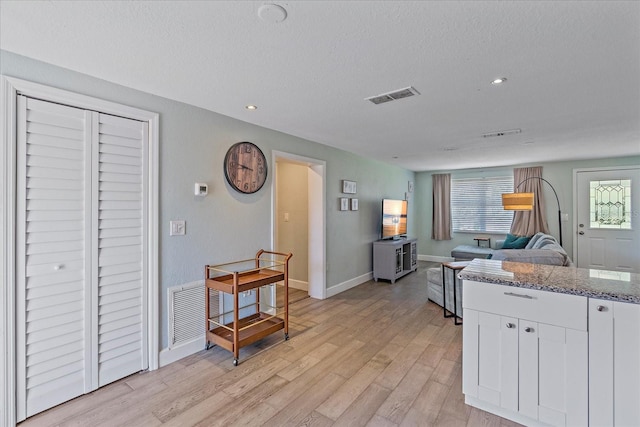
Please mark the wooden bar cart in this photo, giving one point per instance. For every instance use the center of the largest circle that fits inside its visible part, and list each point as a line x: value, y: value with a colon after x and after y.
x: 260, y: 316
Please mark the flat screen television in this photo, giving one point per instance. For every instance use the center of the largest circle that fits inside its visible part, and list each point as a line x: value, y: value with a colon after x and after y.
x: 394, y: 219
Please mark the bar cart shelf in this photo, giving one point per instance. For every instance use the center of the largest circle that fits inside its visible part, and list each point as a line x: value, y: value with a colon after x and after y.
x: 234, y: 278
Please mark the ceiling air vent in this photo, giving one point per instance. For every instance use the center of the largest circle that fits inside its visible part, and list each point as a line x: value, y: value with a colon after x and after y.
x: 501, y: 133
x: 392, y: 96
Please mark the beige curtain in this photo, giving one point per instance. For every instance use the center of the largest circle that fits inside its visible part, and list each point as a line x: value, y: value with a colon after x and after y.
x: 528, y: 223
x: 441, y: 226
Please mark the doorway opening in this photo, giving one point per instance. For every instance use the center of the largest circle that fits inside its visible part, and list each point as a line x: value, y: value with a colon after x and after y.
x: 298, y: 220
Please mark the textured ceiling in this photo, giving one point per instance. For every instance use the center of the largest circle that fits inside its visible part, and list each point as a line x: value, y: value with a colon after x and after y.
x: 573, y: 70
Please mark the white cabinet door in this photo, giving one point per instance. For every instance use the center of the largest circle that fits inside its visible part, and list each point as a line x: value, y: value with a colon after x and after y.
x: 562, y: 376
x: 490, y: 358
x: 626, y: 360
x: 528, y: 369
x: 535, y: 370
x: 614, y: 363
x: 600, y: 362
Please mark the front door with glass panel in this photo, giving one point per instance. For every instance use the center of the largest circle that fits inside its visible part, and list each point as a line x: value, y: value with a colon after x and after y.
x: 608, y: 233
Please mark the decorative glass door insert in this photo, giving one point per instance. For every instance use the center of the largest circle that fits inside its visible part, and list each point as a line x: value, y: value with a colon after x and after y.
x: 610, y: 204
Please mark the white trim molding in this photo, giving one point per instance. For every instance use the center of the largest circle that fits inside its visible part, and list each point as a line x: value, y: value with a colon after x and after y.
x: 348, y: 284
x: 317, y: 238
x: 299, y: 284
x: 10, y: 87
x: 170, y: 355
x: 8, y: 94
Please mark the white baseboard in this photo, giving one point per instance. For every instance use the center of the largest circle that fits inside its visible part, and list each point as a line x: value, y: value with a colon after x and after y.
x: 501, y: 412
x: 435, y: 258
x: 351, y: 283
x: 299, y: 284
x: 170, y: 355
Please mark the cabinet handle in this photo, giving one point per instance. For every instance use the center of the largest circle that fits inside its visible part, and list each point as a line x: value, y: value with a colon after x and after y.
x: 512, y: 294
x: 510, y: 325
x: 601, y: 308
x: 528, y: 329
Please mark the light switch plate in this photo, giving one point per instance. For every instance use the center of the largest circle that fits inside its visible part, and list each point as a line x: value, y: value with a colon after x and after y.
x: 177, y: 228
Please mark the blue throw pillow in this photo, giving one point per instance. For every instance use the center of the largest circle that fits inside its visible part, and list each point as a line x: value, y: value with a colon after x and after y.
x: 515, y: 242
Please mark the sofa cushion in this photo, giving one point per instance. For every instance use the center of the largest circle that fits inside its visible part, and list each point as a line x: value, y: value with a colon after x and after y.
x: 515, y: 242
x: 534, y: 239
x: 532, y: 256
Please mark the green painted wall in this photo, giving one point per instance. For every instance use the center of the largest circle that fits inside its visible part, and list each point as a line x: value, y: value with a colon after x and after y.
x: 225, y: 225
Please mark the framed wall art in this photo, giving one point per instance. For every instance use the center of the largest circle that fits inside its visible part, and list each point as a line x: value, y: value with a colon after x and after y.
x: 349, y: 187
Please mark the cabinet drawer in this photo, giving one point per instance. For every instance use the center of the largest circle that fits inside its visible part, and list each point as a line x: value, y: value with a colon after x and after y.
x: 569, y: 311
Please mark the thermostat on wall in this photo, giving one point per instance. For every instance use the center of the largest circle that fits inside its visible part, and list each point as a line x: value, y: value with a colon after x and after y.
x: 201, y: 189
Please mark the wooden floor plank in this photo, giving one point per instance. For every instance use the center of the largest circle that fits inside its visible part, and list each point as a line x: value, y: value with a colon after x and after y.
x: 200, y: 411
x: 247, y: 408
x: 426, y: 407
x: 401, y: 398
x: 301, y: 407
x: 364, y: 407
x: 335, y: 405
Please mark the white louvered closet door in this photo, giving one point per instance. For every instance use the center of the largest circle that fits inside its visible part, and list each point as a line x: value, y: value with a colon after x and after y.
x: 121, y: 248
x: 81, y: 288
x: 53, y: 255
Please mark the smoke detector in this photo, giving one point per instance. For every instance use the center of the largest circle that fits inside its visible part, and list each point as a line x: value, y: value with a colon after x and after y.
x: 393, y: 96
x: 272, y: 13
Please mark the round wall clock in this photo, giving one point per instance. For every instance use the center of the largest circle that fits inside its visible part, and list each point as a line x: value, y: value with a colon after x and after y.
x: 245, y: 167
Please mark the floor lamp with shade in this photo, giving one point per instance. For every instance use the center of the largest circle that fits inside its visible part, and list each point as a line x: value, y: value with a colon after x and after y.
x: 524, y: 201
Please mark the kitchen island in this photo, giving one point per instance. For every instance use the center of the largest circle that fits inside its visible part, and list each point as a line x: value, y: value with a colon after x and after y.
x: 550, y: 345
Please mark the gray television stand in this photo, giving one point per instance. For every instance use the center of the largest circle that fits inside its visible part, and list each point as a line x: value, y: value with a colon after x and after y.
x: 393, y: 259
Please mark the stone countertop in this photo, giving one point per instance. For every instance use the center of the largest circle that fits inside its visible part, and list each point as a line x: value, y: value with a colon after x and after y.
x: 608, y: 285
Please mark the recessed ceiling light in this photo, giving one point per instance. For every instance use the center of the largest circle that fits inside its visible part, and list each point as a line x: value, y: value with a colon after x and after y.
x: 499, y: 81
x: 251, y: 107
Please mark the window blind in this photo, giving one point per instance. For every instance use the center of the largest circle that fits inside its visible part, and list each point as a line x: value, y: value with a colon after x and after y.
x: 476, y: 204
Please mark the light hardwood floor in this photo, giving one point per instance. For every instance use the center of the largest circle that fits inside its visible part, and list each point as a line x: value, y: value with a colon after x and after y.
x: 376, y: 355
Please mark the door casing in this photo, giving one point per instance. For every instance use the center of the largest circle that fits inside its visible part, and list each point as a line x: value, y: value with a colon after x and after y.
x: 9, y: 89
x: 317, y: 219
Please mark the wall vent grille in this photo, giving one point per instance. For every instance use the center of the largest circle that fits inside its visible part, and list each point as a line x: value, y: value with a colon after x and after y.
x: 393, y: 96
x: 502, y: 133
x: 186, y: 312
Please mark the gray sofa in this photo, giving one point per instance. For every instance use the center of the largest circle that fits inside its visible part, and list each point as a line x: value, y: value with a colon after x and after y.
x: 541, y: 249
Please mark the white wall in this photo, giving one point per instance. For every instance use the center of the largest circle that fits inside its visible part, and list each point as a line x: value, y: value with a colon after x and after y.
x: 559, y: 174
x: 225, y: 225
